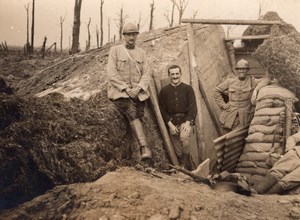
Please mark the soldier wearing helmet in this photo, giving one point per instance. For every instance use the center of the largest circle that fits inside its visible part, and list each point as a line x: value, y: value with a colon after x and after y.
x: 128, y: 79
x: 242, y: 91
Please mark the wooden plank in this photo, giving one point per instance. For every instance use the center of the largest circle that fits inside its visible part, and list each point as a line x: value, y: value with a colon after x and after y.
x: 230, y: 147
x: 195, y: 86
x: 234, y: 145
x: 251, y: 37
x: 235, y: 139
x: 161, y: 124
x: 231, y: 164
x: 232, y: 157
x: 210, y: 111
x: 233, y: 21
x: 235, y: 151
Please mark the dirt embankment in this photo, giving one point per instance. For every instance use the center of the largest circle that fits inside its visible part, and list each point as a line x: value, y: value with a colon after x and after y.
x: 130, y: 194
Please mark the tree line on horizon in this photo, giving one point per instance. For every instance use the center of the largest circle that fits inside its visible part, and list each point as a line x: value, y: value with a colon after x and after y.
x: 121, y: 19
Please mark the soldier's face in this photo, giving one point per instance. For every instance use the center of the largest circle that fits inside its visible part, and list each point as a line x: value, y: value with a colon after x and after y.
x: 242, y: 73
x: 130, y: 38
x: 175, y: 76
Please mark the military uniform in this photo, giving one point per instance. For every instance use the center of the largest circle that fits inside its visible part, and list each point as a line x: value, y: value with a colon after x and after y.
x: 128, y: 70
x: 287, y: 169
x: 241, y: 110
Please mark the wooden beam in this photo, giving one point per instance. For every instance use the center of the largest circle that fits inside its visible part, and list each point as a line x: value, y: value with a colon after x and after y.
x: 253, y: 37
x: 195, y: 86
x: 227, y: 21
x: 161, y: 124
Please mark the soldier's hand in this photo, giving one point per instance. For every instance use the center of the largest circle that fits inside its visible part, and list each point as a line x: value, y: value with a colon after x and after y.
x: 186, y: 127
x: 253, y: 97
x: 134, y: 92
x: 226, y: 106
x: 128, y: 91
x: 173, y: 129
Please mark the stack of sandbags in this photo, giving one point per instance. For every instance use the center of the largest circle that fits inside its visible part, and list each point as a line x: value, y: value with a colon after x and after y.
x: 266, y: 131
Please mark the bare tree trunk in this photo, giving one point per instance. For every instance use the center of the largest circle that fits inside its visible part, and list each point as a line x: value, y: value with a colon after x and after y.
x: 151, y: 15
x: 97, y: 36
x: 101, y: 22
x: 121, y: 22
x: 195, y: 14
x: 108, y: 30
x: 32, y: 26
x: 181, y: 6
x: 27, y: 29
x: 61, y: 33
x: 139, y: 21
x: 76, y: 27
x: 88, y: 44
x: 172, y: 13
x: 44, y: 47
x: 167, y: 15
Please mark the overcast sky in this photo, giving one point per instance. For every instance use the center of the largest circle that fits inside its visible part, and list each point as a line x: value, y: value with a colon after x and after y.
x: 48, y: 12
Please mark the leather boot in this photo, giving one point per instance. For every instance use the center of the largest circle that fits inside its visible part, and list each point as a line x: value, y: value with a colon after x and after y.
x: 266, y: 184
x: 276, y: 189
x: 138, y: 131
x: 185, y: 162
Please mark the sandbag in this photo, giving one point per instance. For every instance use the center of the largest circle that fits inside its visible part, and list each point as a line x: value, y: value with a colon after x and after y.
x: 264, y: 129
x: 269, y: 103
x: 274, y: 91
x: 259, y: 137
x: 246, y: 164
x: 270, y: 111
x: 254, y: 156
x: 265, y: 120
x: 252, y: 170
x: 260, y: 147
x: 262, y: 164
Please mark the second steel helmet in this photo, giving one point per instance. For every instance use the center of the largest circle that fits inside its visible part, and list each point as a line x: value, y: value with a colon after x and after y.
x: 130, y: 28
x: 242, y: 64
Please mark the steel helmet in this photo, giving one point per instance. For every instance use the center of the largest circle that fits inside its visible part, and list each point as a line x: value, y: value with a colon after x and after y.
x: 242, y: 64
x: 130, y: 28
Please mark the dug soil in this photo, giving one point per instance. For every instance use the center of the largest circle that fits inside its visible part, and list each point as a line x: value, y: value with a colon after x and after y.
x: 128, y: 193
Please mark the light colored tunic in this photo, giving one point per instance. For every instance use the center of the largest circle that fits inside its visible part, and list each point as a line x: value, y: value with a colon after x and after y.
x: 287, y: 169
x: 239, y: 94
x: 122, y: 72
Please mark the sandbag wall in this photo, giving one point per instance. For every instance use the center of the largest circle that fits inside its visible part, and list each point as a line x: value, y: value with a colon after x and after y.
x: 266, y: 132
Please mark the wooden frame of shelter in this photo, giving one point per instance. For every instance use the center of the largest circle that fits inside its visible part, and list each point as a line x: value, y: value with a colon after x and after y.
x: 223, y: 151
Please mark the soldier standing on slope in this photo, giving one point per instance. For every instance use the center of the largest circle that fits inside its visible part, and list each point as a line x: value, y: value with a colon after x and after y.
x: 129, y: 77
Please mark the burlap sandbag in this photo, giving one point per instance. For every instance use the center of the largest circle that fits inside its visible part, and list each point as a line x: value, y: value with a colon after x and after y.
x: 269, y: 111
x: 246, y: 164
x: 259, y: 137
x: 254, y: 156
x: 262, y: 164
x: 260, y: 147
x: 274, y: 91
x: 252, y: 170
x: 264, y: 129
x: 269, y: 103
x: 265, y: 120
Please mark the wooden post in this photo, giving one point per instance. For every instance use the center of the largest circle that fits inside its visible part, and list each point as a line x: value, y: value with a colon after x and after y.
x: 288, y: 119
x: 195, y: 86
x: 227, y: 21
x: 161, y: 124
x: 210, y: 111
x: 251, y: 37
x: 231, y: 56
